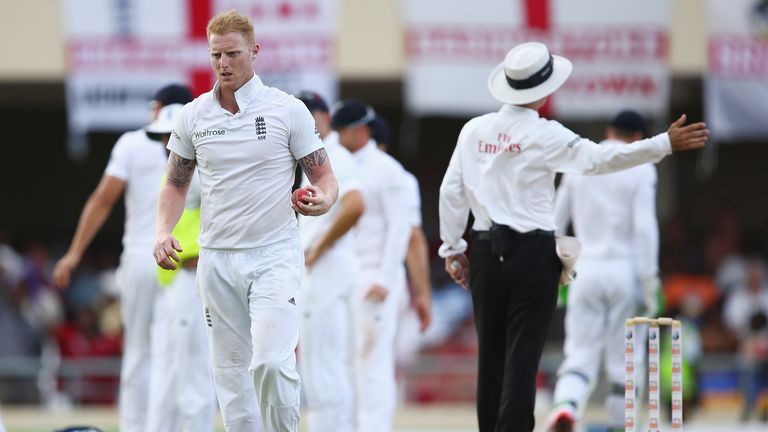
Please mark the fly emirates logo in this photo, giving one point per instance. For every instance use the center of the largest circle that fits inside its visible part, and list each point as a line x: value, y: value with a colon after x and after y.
x: 502, y: 144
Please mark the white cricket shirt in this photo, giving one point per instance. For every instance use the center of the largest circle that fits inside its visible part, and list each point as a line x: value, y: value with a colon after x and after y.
x: 503, y: 169
x: 348, y: 177
x: 384, y: 228
x: 140, y: 162
x: 414, y: 201
x: 246, y: 162
x: 614, y: 215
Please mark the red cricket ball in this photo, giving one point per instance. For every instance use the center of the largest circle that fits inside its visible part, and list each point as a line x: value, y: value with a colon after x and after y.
x: 301, y: 194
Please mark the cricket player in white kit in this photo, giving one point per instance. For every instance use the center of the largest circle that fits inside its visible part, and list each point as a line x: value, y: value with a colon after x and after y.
x: 245, y: 139
x: 182, y: 396
x: 135, y: 166
x: 415, y: 313
x: 332, y: 274
x: 614, y: 216
x: 381, y: 245
x: 417, y: 255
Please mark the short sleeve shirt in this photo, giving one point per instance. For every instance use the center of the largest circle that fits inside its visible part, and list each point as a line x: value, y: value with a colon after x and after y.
x: 414, y: 201
x: 140, y: 162
x: 246, y: 163
x: 348, y: 177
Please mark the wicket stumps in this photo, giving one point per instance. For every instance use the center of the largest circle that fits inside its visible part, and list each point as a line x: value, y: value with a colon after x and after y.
x: 630, y: 375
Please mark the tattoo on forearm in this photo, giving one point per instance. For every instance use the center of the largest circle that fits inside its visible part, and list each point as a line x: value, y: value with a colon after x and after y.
x: 180, y: 170
x: 310, y: 162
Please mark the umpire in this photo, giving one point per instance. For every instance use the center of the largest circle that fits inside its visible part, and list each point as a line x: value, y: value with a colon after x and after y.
x: 503, y: 170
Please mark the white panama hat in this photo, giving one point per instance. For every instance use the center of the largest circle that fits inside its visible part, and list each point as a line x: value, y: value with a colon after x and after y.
x: 528, y: 73
x: 166, y: 120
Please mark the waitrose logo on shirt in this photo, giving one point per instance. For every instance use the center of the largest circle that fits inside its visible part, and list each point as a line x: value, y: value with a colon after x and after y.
x: 208, y: 132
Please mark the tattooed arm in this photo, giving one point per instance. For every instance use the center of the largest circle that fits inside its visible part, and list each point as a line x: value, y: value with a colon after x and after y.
x: 323, y: 187
x: 170, y: 205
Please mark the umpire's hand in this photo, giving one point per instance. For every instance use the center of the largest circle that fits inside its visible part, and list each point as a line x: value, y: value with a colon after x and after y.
x: 458, y: 267
x: 165, y: 250
x: 689, y: 137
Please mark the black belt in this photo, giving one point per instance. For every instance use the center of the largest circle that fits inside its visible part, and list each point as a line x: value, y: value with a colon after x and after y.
x: 486, y: 235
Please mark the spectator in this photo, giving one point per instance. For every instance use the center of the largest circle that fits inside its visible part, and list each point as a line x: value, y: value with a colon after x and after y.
x: 746, y: 312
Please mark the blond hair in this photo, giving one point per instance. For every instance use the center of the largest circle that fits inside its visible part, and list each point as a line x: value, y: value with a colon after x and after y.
x: 231, y: 22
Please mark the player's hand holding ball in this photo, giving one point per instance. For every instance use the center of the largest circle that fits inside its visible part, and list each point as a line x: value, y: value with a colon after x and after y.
x: 310, y: 201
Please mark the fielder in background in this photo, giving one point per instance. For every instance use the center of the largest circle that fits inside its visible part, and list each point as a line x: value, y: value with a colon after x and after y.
x: 182, y: 396
x: 614, y: 216
x: 417, y: 257
x: 332, y: 274
x: 503, y: 169
x: 245, y: 139
x: 135, y: 166
x: 381, y: 245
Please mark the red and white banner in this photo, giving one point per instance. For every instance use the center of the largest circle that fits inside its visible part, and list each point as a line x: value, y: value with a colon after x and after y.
x: 736, y: 82
x: 119, y: 52
x: 619, y: 49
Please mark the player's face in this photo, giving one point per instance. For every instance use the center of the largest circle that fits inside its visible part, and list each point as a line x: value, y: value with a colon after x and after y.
x: 353, y: 138
x: 231, y: 59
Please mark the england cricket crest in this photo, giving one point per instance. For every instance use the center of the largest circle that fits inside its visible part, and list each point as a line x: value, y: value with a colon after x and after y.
x: 629, y: 367
x: 676, y: 368
x: 653, y: 367
x: 653, y: 404
x: 629, y: 422
x: 653, y: 348
x: 630, y: 348
x: 629, y: 385
x: 629, y: 404
x: 676, y: 387
x: 653, y: 386
x: 675, y: 348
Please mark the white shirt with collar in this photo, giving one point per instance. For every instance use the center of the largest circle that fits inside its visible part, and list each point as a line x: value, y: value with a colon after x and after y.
x: 384, y: 228
x: 414, y: 195
x: 347, y: 175
x: 140, y: 162
x: 614, y: 215
x: 503, y: 170
x: 246, y: 162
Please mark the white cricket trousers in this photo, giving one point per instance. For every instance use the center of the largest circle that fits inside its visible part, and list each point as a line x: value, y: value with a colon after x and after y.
x: 2, y: 425
x: 250, y: 299
x: 600, y: 300
x: 182, y: 395
x: 325, y: 342
x: 136, y: 279
x: 375, y: 328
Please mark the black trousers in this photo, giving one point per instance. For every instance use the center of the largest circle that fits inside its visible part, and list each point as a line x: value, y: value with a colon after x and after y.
x: 513, y: 301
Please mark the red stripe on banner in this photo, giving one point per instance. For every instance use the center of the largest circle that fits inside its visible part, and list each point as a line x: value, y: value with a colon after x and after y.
x: 537, y: 14
x: 537, y: 17
x: 199, y: 12
x: 201, y: 81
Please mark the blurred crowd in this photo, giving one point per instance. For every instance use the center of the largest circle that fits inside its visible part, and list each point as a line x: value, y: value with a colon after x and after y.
x: 716, y: 283
x: 53, y: 340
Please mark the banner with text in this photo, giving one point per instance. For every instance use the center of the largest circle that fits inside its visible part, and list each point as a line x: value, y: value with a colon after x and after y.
x: 120, y: 52
x: 736, y: 82
x: 619, y: 49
